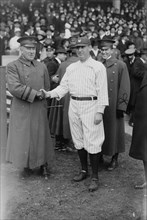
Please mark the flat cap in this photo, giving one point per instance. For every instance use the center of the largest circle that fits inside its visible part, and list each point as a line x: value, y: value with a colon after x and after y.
x: 83, y: 41
x: 28, y: 41
x: 130, y: 51
x: 41, y: 32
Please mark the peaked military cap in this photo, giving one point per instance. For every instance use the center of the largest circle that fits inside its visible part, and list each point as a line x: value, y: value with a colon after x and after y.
x: 28, y: 40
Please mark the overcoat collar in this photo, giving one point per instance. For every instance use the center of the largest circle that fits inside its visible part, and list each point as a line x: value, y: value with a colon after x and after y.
x: 111, y: 61
x: 27, y: 62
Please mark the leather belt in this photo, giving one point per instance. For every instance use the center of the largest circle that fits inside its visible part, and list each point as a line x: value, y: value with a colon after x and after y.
x: 84, y: 98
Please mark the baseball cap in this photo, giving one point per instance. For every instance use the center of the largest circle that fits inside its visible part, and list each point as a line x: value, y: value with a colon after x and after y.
x: 83, y: 41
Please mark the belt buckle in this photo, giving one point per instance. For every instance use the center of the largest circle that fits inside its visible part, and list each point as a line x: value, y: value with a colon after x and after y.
x: 92, y: 98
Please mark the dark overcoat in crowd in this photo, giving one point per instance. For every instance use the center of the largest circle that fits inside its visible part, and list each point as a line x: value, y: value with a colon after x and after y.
x: 52, y: 66
x: 62, y: 120
x: 29, y: 142
x: 138, y: 148
x: 119, y: 92
x: 137, y: 74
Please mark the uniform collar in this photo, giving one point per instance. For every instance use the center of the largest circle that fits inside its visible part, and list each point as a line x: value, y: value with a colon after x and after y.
x: 109, y: 62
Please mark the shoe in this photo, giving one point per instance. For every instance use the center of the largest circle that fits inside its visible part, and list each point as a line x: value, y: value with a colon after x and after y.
x: 27, y: 172
x: 44, y: 171
x: 113, y: 165
x: 93, y: 185
x: 81, y: 176
x: 141, y: 186
x: 131, y: 124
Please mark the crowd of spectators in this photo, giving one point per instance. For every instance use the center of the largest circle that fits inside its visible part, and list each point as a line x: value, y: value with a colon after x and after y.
x: 58, y: 21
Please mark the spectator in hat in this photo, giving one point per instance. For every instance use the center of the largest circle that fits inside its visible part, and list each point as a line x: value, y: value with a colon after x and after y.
x: 94, y: 50
x: 119, y: 92
x: 86, y: 81
x: 29, y: 30
x: 13, y: 43
x: 129, y: 59
x: 55, y: 107
x: 62, y: 118
x: 122, y: 45
x: 40, y: 51
x: 29, y: 142
x: 137, y: 73
x: 115, y: 51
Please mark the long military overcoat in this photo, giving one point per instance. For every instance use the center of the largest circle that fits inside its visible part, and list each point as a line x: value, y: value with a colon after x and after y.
x: 29, y: 142
x: 138, y: 148
x: 119, y: 92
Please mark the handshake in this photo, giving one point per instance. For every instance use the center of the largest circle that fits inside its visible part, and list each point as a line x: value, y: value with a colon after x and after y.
x: 42, y: 94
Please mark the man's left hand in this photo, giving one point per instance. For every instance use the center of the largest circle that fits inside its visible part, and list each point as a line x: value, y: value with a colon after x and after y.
x: 98, y: 118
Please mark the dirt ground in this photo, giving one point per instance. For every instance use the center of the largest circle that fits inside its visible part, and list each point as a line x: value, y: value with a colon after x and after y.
x: 58, y: 198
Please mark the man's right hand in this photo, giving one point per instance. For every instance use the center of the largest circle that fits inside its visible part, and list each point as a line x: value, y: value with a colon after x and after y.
x: 40, y: 95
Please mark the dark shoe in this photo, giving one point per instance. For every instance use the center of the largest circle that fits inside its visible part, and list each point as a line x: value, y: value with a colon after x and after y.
x: 93, y: 185
x: 44, y: 171
x: 141, y: 186
x: 81, y: 176
x: 113, y: 165
x: 131, y: 124
x: 27, y: 172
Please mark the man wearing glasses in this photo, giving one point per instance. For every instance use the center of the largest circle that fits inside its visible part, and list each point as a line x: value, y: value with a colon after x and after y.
x: 29, y: 143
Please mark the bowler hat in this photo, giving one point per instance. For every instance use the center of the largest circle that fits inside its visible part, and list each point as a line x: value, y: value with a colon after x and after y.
x: 83, y: 41
x: 27, y: 40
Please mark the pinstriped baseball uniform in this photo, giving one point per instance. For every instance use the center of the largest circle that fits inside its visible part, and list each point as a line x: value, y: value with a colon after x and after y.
x: 85, y: 79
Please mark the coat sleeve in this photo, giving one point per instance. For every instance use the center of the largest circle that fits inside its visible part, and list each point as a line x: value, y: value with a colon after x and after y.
x: 123, y: 87
x: 16, y: 87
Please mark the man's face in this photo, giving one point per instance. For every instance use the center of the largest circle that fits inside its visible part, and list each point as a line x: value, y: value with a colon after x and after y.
x: 83, y: 52
x: 106, y: 52
x: 50, y: 52
x: 62, y: 57
x: 28, y: 52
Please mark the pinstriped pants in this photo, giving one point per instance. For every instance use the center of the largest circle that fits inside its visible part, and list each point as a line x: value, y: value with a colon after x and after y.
x: 85, y: 133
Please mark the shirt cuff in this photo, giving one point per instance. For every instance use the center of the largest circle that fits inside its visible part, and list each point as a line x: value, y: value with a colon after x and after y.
x: 101, y: 109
